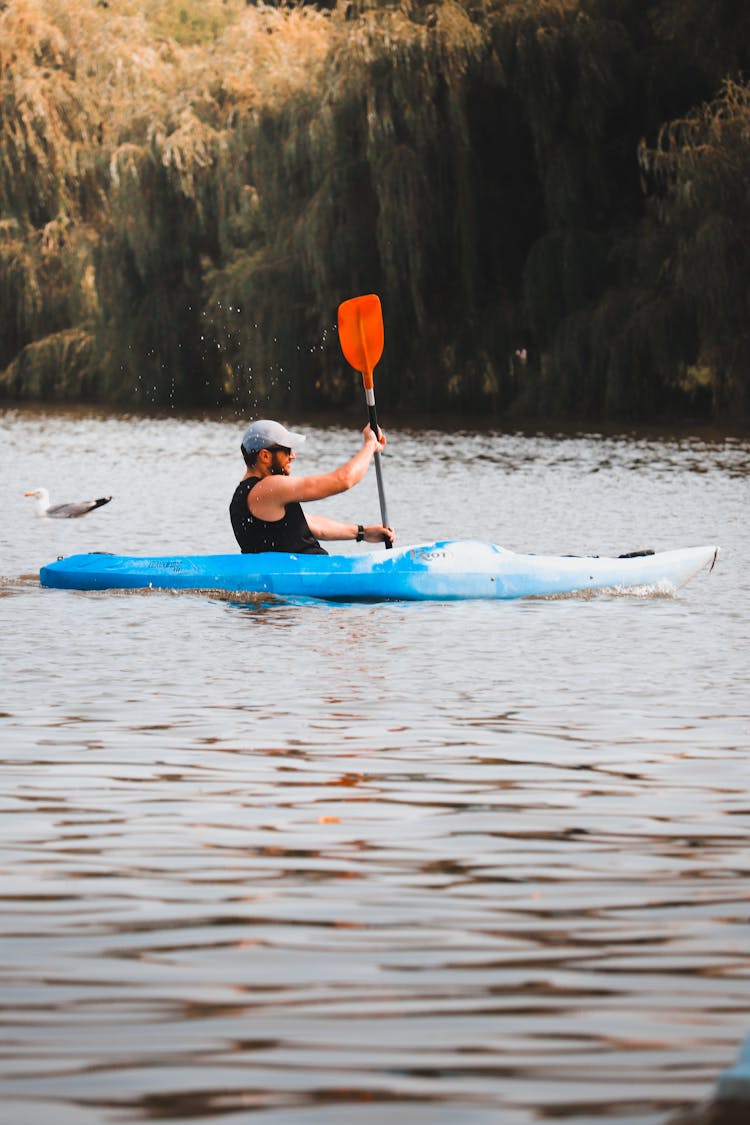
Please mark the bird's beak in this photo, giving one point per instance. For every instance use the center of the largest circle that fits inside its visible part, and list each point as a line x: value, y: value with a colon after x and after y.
x: 28, y: 493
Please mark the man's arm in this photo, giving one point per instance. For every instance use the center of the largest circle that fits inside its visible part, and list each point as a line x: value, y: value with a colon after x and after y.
x: 270, y: 496
x: 324, y: 528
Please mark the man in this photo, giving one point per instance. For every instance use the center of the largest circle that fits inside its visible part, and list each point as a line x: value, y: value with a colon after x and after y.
x: 265, y: 509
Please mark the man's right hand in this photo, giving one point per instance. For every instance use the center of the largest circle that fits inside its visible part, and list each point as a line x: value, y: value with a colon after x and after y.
x: 377, y: 442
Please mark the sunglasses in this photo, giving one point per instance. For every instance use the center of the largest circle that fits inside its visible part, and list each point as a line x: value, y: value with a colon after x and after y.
x: 280, y: 449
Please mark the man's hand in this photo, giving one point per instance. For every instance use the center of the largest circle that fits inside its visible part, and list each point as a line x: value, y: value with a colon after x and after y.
x: 376, y: 533
x: 377, y: 442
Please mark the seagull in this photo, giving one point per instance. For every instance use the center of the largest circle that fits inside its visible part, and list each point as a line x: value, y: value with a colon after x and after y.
x: 64, y: 511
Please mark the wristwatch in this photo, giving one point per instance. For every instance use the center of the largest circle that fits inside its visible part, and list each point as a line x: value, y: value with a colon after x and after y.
x: 360, y: 533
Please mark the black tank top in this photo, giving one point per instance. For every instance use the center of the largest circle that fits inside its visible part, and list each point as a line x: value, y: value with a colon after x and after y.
x: 290, y: 533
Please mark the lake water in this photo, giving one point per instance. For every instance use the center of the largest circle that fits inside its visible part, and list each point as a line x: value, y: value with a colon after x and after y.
x: 412, y: 863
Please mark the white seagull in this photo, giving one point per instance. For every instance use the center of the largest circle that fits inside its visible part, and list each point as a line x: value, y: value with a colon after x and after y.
x: 64, y: 511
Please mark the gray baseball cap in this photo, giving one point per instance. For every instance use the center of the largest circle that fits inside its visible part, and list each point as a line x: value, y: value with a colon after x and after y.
x: 264, y: 433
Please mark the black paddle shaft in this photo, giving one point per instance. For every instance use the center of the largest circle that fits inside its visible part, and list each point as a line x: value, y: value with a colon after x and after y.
x: 379, y: 471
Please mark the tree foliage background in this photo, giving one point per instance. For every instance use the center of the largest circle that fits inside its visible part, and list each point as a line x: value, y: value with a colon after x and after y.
x: 550, y: 197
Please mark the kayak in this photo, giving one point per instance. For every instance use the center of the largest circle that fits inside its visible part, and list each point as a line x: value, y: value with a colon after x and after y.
x: 441, y: 571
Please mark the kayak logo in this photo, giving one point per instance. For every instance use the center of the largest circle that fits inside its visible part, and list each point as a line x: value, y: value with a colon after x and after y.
x: 429, y: 555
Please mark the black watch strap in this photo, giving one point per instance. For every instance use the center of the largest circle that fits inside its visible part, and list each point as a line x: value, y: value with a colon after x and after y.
x: 360, y: 533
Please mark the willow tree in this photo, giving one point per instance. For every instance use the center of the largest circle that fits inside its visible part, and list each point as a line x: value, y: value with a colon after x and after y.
x: 46, y: 187
x: 572, y: 74
x: 259, y: 316
x: 715, y: 33
x: 357, y: 177
x: 614, y: 329
x: 701, y: 166
x: 108, y: 157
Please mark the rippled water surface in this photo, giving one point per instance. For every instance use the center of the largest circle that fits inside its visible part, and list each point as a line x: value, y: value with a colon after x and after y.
x: 419, y: 863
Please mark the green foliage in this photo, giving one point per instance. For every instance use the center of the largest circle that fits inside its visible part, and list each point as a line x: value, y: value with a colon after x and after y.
x: 701, y: 165
x: 188, y: 190
x: 187, y: 21
x: 59, y: 367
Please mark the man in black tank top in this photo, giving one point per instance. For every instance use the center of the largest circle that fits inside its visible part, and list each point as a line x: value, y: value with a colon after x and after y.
x: 266, y: 510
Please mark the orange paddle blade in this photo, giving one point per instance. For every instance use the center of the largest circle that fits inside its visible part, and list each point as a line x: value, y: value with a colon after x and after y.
x: 361, y: 333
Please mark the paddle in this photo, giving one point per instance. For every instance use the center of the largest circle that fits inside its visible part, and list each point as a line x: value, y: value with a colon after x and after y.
x: 361, y: 338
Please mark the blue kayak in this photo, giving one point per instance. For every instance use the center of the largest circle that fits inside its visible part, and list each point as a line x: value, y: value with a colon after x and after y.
x: 442, y: 571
